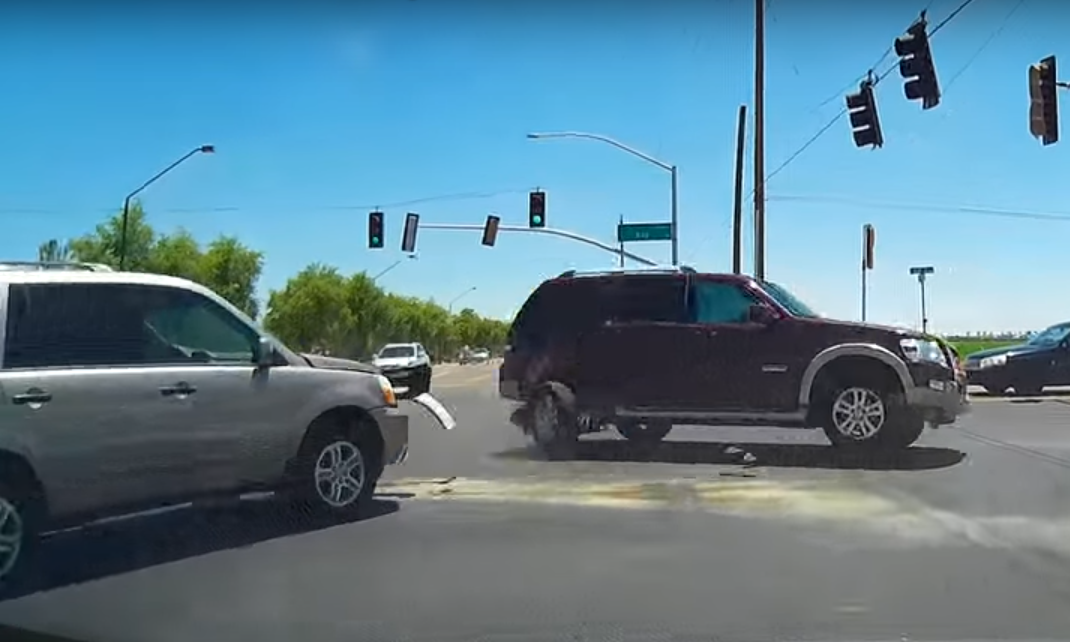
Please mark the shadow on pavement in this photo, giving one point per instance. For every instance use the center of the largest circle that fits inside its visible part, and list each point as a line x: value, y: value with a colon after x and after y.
x: 105, y: 550
x: 754, y: 455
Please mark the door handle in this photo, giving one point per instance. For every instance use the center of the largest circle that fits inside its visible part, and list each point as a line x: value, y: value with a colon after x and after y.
x: 33, y: 395
x: 180, y: 388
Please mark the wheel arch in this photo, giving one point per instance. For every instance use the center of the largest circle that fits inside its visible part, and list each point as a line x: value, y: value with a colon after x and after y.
x: 828, y: 356
x: 344, y: 413
x: 17, y: 467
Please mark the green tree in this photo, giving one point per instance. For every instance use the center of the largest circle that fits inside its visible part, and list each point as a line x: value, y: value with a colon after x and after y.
x: 53, y: 251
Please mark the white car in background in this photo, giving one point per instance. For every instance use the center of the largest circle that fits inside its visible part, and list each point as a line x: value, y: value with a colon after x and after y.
x: 406, y: 365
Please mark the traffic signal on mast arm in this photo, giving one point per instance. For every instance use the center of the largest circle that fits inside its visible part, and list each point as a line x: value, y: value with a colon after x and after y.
x: 916, y: 66
x: 1043, y: 101
x: 490, y: 230
x: 865, y: 123
x: 537, y: 209
x: 375, y: 230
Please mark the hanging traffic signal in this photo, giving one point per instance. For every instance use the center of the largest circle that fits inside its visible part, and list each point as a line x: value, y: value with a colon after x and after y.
x: 375, y: 230
x: 537, y: 209
x: 1043, y: 101
x: 490, y: 230
x: 865, y: 123
x: 408, y: 237
x: 916, y: 66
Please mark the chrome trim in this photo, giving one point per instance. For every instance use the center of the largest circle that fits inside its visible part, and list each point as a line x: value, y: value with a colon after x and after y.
x: 872, y: 350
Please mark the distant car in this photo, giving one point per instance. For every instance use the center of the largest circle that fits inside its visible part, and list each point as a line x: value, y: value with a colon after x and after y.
x: 1043, y: 360
x: 406, y: 365
x: 479, y: 355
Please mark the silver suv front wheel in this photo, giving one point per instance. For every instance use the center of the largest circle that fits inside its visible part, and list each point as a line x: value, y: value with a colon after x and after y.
x: 12, y: 536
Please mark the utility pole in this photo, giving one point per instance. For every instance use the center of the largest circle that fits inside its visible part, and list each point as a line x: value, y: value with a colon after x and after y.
x: 737, y: 204
x: 759, y: 139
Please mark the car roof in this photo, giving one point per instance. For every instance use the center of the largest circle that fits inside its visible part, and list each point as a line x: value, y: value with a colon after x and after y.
x: 624, y: 273
x: 13, y: 273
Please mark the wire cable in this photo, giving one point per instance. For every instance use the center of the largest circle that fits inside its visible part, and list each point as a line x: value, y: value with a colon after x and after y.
x: 949, y: 18
x: 984, y: 45
x: 980, y: 210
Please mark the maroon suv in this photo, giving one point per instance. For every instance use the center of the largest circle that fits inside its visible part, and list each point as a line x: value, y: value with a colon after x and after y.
x: 644, y: 350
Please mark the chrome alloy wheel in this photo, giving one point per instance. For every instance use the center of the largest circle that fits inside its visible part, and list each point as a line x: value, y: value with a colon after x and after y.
x: 339, y: 473
x: 12, y: 532
x: 858, y: 413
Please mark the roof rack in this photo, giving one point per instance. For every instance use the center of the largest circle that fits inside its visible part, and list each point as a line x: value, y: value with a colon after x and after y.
x: 682, y: 269
x: 21, y: 266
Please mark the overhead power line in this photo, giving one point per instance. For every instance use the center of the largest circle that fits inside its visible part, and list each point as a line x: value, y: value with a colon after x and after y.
x: 979, y: 210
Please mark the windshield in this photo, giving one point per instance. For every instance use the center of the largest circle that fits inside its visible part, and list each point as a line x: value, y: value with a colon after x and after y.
x: 397, y: 352
x: 1051, y: 336
x: 788, y: 300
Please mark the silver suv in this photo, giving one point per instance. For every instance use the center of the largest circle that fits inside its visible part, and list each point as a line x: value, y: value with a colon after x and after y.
x: 126, y: 391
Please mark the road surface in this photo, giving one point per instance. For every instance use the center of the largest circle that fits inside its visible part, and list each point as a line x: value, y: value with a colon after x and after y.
x: 967, y: 537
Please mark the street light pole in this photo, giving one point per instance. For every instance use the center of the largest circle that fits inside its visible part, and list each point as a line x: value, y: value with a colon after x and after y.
x: 391, y: 267
x: 203, y: 149
x: 675, y: 239
x: 449, y: 307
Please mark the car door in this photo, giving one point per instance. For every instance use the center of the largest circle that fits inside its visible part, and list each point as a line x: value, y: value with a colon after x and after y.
x: 242, y: 416
x: 640, y: 352
x: 76, y: 389
x: 743, y: 367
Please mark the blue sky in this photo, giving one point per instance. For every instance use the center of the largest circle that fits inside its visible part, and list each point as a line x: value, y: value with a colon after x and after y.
x: 319, y: 113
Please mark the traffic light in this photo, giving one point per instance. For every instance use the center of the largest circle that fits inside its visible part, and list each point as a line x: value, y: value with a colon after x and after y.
x: 869, y: 240
x: 865, y: 123
x: 375, y: 230
x: 916, y: 66
x: 408, y: 237
x: 1043, y: 101
x: 537, y: 209
x: 490, y: 230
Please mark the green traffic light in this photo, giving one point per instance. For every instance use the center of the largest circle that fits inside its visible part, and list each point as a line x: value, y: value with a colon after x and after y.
x: 537, y: 220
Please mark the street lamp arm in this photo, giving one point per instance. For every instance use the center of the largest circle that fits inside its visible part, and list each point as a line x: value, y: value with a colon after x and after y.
x: 170, y: 167
x: 609, y: 141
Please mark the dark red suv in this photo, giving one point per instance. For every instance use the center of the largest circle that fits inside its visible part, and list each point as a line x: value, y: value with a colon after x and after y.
x: 644, y: 350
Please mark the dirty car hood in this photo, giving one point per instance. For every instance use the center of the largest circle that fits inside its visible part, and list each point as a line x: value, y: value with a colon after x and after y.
x: 334, y: 363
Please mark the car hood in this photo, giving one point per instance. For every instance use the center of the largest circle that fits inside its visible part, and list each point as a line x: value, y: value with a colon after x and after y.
x: 1022, y: 348
x: 334, y: 363
x: 834, y: 330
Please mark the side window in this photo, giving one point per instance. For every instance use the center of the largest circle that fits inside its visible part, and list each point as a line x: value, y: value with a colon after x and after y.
x: 639, y: 299
x: 713, y: 302
x: 52, y: 325
x: 186, y: 326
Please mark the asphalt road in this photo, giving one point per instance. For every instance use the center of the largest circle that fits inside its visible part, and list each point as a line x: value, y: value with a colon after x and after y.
x: 966, y: 537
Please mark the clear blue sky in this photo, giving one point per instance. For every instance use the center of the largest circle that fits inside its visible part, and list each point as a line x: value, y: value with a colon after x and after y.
x: 319, y: 113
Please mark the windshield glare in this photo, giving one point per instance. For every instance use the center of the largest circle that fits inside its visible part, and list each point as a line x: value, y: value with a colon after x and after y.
x: 1050, y: 336
x: 789, y: 301
x: 396, y: 352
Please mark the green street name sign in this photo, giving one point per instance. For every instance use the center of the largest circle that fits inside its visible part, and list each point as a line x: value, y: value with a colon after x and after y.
x: 630, y: 232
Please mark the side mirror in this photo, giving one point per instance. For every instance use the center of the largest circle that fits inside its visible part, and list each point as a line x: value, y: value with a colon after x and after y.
x: 762, y: 314
x: 265, y: 353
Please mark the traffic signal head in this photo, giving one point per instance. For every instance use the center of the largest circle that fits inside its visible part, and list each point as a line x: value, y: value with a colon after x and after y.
x: 865, y: 123
x: 917, y: 67
x: 490, y: 230
x: 375, y: 230
x: 408, y: 237
x: 537, y: 209
x: 1043, y: 101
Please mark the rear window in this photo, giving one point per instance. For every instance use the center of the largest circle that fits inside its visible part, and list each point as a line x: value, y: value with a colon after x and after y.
x: 574, y: 305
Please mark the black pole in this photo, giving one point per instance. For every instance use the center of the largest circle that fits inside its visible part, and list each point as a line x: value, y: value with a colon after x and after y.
x: 122, y: 237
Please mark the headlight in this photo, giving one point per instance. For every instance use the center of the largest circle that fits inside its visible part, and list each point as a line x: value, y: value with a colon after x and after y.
x: 993, y: 362
x: 389, y: 398
x: 923, y: 351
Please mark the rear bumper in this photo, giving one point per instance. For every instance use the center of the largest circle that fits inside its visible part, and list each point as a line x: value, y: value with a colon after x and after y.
x: 394, y: 427
x: 940, y: 402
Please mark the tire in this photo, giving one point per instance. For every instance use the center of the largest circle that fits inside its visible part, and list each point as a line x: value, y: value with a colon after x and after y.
x: 870, y: 414
x: 338, y: 467
x: 1024, y: 389
x: 553, y: 424
x: 995, y: 391
x: 643, y: 433
x: 20, y: 525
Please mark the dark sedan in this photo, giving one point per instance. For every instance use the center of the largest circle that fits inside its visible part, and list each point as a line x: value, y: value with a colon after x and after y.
x: 1042, y: 361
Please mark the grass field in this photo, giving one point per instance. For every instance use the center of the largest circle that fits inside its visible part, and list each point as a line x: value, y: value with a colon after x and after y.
x: 969, y: 346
